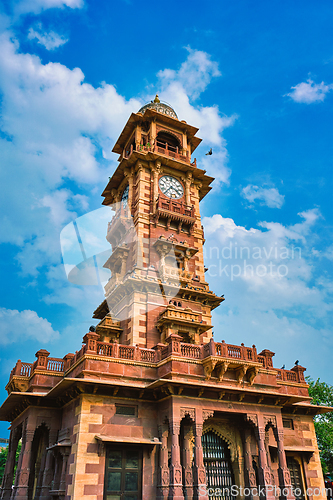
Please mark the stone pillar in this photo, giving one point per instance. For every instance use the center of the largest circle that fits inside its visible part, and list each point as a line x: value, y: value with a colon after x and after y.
x: 23, y: 468
x: 164, y: 473
x: 263, y: 471
x: 283, y: 471
x: 47, y: 476
x: 269, y: 462
x: 48, y: 468
x: 156, y: 170
x: 7, y: 481
x: 199, y: 471
x: 187, y: 463
x: 187, y: 181
x: 64, y: 451
x: 250, y: 475
x: 176, y: 485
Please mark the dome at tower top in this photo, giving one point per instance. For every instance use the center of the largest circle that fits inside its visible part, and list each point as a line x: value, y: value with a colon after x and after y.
x: 160, y: 107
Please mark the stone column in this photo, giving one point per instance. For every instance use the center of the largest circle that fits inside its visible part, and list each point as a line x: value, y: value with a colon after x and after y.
x: 7, y: 481
x: 164, y: 473
x: 156, y: 170
x: 187, y: 463
x: 48, y: 468
x: 176, y: 485
x: 250, y: 475
x: 283, y: 471
x: 47, y: 476
x: 199, y: 471
x: 129, y: 176
x: 64, y: 451
x: 23, y: 468
x: 264, y: 472
x: 269, y: 462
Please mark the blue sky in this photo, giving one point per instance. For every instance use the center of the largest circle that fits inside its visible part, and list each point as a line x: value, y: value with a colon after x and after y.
x: 255, y: 77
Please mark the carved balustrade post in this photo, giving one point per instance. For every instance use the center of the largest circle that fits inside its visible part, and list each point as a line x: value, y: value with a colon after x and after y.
x: 199, y: 471
x: 283, y: 471
x: 42, y: 356
x: 187, y: 461
x: 164, y: 472
x: 23, y: 469
x: 250, y: 475
x: 266, y: 490
x: 90, y: 339
x: 176, y: 484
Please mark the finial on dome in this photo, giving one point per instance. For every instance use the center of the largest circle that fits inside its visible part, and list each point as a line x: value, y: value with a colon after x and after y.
x: 156, y: 98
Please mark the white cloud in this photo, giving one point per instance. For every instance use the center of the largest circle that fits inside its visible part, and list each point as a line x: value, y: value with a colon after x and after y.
x: 193, y: 75
x: 273, y: 296
x: 19, y: 326
x: 309, y: 92
x: 49, y: 40
x: 180, y: 88
x: 266, y: 196
x: 37, y: 6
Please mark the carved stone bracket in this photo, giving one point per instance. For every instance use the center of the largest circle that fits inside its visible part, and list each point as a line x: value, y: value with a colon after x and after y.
x: 252, y: 373
x: 240, y: 373
x: 270, y: 419
x: 221, y: 369
x: 187, y: 411
x: 207, y: 414
x: 252, y: 418
x: 209, y: 366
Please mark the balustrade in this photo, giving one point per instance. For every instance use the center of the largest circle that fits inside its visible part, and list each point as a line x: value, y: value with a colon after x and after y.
x: 190, y: 351
x: 161, y: 148
x: 185, y: 350
x: 177, y: 207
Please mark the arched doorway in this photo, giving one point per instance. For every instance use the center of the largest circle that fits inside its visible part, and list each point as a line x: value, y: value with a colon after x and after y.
x: 296, y: 478
x: 217, y: 461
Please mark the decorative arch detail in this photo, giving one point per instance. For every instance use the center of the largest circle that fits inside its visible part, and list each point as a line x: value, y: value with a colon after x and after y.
x: 226, y: 436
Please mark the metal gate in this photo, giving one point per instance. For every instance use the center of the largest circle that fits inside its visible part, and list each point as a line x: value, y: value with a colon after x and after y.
x: 218, y: 468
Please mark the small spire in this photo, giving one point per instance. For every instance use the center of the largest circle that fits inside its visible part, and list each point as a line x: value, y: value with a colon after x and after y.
x: 156, y: 98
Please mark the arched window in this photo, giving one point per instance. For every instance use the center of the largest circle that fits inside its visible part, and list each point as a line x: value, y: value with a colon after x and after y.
x: 164, y: 138
x: 218, y: 466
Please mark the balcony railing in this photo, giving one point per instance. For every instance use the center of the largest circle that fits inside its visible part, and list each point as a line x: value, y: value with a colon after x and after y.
x: 175, y: 207
x: 142, y: 355
x: 162, y: 148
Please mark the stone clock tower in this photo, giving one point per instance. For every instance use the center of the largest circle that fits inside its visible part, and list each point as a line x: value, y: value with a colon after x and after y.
x: 157, y: 286
x: 151, y: 407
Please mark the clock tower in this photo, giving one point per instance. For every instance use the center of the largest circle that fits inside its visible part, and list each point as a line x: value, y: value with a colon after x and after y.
x: 151, y: 407
x: 157, y: 287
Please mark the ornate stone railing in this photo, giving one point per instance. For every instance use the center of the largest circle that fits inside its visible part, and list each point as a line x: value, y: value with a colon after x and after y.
x: 161, y: 352
x: 163, y: 149
x: 173, y: 206
x: 294, y: 375
x: 55, y: 365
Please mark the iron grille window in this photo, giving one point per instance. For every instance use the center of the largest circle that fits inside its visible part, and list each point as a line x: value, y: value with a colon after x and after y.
x: 218, y: 467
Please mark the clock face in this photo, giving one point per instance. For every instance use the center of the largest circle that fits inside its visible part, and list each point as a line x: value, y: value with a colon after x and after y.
x: 124, y: 198
x: 171, y: 187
